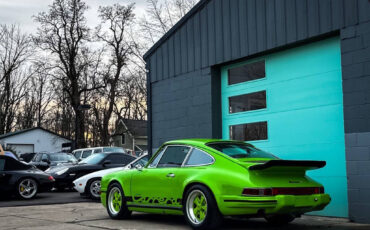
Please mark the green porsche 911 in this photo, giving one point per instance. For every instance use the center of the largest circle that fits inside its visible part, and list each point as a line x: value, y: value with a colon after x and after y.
x: 205, y: 180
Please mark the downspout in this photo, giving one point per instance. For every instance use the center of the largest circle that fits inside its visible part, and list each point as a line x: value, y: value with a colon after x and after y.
x: 149, y: 107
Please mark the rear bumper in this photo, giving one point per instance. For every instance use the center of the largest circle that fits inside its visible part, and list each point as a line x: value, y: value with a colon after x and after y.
x: 242, y: 205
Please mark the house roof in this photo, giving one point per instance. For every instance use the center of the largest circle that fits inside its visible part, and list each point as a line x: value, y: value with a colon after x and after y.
x: 31, y: 129
x: 135, y: 127
x: 182, y: 21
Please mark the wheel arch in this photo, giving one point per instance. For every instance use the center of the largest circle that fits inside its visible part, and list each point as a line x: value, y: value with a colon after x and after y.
x: 88, y: 182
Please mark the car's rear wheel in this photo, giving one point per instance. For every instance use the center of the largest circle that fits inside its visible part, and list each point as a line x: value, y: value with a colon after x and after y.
x: 200, y: 208
x: 93, y: 188
x: 279, y: 219
x: 27, y: 188
x: 116, y: 203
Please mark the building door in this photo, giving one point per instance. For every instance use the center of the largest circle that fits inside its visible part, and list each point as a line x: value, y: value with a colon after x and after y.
x: 21, y: 148
x: 290, y: 103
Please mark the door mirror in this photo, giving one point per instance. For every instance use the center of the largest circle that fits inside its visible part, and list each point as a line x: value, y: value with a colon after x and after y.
x: 139, y: 167
x: 107, y: 162
x: 45, y: 161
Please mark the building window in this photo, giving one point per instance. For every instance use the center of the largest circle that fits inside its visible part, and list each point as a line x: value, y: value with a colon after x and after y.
x: 249, y: 132
x: 247, y: 102
x: 123, y: 139
x: 248, y: 72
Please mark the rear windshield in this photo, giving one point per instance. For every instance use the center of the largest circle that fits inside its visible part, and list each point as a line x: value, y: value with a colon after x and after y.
x: 236, y: 150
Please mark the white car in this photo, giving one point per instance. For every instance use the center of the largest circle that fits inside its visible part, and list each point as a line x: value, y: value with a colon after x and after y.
x: 90, y: 184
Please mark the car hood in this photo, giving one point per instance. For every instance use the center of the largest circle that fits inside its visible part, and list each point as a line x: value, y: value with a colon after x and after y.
x: 101, y: 173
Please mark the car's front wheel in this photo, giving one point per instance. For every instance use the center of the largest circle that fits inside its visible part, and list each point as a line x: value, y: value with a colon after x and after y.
x: 27, y: 188
x: 93, y: 188
x: 116, y: 203
x: 279, y: 219
x: 200, y: 208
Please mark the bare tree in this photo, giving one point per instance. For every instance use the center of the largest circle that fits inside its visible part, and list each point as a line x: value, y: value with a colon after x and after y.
x: 15, y: 49
x: 161, y: 16
x: 63, y: 32
x: 115, y: 20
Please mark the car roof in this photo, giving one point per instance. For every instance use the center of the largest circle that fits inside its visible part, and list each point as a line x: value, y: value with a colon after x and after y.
x: 196, y: 141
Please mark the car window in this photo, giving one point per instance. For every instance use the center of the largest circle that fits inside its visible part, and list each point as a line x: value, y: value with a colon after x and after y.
x: 198, y: 157
x: 62, y: 157
x: 77, y: 154
x: 173, y: 156
x: 44, y: 157
x: 2, y: 164
x: 239, y: 150
x: 98, y: 150
x: 142, y: 161
x: 37, y: 158
x: 155, y: 161
x: 86, y: 153
x: 113, y: 149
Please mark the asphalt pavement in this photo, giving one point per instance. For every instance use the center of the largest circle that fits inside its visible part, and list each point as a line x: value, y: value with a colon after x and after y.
x: 53, y: 197
x: 92, y: 216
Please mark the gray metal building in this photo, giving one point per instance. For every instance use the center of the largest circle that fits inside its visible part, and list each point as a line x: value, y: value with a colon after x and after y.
x: 189, y: 97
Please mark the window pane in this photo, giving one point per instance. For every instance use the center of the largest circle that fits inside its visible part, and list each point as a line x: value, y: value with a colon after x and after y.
x: 156, y: 160
x: 198, y: 157
x: 86, y: 153
x: 248, y: 72
x: 249, y: 132
x: 247, y: 102
x: 173, y: 156
x: 241, y: 150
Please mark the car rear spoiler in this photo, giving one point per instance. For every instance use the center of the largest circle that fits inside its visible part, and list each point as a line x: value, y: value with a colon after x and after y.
x: 307, y: 165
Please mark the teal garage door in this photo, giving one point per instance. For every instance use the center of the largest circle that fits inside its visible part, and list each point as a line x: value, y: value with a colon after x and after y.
x: 290, y: 103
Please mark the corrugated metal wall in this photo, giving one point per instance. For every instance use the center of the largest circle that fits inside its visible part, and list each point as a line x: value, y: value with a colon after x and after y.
x: 225, y: 30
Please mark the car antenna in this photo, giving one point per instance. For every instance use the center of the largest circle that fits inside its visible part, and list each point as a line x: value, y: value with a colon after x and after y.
x: 1, y: 150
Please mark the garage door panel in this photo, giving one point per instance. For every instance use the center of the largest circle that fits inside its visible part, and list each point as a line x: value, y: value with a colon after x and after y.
x: 304, y: 112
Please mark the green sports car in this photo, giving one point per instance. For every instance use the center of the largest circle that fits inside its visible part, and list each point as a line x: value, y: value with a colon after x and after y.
x: 205, y: 180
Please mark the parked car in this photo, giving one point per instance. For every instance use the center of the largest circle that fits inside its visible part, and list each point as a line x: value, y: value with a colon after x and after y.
x: 205, y: 180
x: 27, y: 157
x: 65, y: 174
x: 22, y: 179
x: 44, y: 160
x: 89, y: 185
x: 81, y: 154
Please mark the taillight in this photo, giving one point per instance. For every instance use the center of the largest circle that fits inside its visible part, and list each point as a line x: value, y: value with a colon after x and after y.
x: 257, y: 192
x: 282, y: 191
x: 51, y: 178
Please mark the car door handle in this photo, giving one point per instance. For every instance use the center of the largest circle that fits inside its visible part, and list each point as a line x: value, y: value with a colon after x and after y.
x: 171, y: 175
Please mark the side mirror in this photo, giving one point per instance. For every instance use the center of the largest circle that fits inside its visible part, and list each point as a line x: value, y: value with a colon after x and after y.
x: 46, y: 161
x: 107, y: 162
x: 139, y: 167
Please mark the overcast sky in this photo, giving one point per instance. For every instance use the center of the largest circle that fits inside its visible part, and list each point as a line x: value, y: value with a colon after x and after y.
x: 21, y: 11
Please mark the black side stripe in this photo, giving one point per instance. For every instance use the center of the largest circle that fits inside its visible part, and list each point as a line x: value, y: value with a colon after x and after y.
x: 252, y: 201
x: 128, y: 198
x: 151, y: 206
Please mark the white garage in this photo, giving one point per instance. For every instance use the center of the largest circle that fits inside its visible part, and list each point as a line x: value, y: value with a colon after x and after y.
x: 33, y: 140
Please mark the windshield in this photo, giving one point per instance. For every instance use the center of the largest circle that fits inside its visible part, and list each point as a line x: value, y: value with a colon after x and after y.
x: 236, y: 150
x: 93, y: 159
x: 62, y: 157
x: 113, y: 150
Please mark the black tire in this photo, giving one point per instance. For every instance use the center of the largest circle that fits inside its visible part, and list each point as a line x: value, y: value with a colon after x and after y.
x: 91, y: 191
x: 122, y: 212
x: 213, y: 217
x: 27, y: 188
x: 280, y: 219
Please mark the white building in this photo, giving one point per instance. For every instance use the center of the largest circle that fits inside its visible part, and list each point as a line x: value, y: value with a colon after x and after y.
x: 33, y: 140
